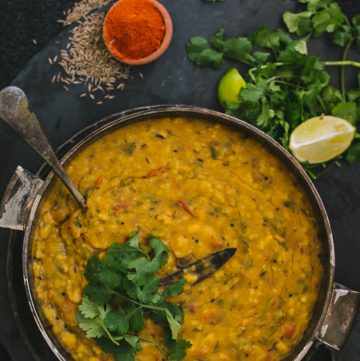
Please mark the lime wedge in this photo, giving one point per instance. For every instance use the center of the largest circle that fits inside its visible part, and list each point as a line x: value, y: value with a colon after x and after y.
x: 320, y: 139
x: 229, y: 87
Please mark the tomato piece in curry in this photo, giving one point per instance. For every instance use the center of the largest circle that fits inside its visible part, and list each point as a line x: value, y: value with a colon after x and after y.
x: 200, y: 187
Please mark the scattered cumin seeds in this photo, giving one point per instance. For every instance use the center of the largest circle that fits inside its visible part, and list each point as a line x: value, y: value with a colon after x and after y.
x: 81, y: 8
x: 85, y: 59
x: 82, y: 95
x: 92, y: 96
x: 50, y: 60
x: 141, y: 75
x: 34, y: 41
x: 100, y: 102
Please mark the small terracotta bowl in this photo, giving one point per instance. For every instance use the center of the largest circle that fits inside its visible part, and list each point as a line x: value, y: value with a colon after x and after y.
x: 148, y: 59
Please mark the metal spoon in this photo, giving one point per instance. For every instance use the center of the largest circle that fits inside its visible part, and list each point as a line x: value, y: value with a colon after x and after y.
x: 14, y: 110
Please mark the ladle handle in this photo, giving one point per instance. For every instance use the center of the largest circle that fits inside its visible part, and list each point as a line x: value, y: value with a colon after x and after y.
x: 14, y: 111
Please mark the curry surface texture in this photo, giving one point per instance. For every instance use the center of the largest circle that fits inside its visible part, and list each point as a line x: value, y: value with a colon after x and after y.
x: 200, y: 187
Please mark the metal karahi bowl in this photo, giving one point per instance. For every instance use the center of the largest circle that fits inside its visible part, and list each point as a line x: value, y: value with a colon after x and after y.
x: 336, y: 307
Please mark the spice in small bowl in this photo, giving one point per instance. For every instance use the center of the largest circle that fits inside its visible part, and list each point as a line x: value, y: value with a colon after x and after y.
x: 137, y: 32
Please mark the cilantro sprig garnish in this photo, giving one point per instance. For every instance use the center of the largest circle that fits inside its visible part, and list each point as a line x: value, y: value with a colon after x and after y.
x: 123, y: 288
x: 287, y: 85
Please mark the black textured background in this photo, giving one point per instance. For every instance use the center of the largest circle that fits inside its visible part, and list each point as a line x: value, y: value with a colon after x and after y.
x: 21, y: 21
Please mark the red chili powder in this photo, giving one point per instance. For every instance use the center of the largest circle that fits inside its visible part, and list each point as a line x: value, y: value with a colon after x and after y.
x: 135, y: 28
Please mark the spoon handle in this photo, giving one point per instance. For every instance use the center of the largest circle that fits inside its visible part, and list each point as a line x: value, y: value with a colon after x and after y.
x: 14, y: 110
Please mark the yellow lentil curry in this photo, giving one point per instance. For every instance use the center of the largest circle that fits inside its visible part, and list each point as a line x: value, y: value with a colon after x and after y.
x: 200, y: 187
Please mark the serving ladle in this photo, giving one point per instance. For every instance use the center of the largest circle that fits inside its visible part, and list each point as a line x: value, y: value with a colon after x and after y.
x: 14, y: 110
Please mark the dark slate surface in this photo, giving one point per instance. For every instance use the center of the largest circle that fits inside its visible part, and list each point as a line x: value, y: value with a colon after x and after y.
x: 170, y: 80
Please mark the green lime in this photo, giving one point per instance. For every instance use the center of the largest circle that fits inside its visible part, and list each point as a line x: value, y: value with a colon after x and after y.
x: 229, y: 87
x: 321, y: 139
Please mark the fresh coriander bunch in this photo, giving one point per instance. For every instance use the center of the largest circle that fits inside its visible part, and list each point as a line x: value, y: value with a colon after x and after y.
x: 123, y: 289
x: 285, y: 84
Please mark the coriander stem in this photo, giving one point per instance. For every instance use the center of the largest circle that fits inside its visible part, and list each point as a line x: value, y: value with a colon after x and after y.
x: 251, y: 71
x: 342, y: 71
x: 347, y: 20
x: 278, y: 77
x: 343, y: 63
x: 109, y: 335
x: 153, y: 342
x: 321, y: 103
x: 141, y: 304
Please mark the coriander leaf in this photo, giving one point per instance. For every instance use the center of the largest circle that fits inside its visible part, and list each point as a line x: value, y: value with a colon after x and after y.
x: 261, y: 57
x: 213, y: 152
x: 149, y: 290
x: 130, y: 148
x: 353, y: 153
x: 199, y: 53
x: 265, y: 38
x: 124, y: 353
x: 118, y: 256
x: 130, y: 286
x: 347, y: 111
x: 313, y: 72
x: 92, y: 327
x: 238, y: 49
x: 353, y: 94
x: 292, y: 55
x: 133, y: 241
x: 98, y: 294
x: 356, y: 29
x: 233, y: 48
x: 173, y: 317
x: 88, y: 309
x: 133, y: 341
x: 178, y: 350
x: 175, y: 288
x: 217, y: 40
x: 328, y: 19
x: 247, y: 111
x: 92, y: 269
x: 161, y: 252
x: 331, y: 96
x: 285, y: 38
x: 314, y: 5
x: 109, y: 278
x: 117, y: 321
x: 174, y: 324
x: 265, y: 116
x: 144, y: 270
x: 356, y: 20
x: 136, y: 317
x: 253, y: 93
x: 294, y: 111
x: 298, y: 23
x: 343, y: 36
x: 301, y: 46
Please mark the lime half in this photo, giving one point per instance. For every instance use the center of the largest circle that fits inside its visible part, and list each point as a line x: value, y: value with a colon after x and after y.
x: 229, y: 87
x: 321, y: 139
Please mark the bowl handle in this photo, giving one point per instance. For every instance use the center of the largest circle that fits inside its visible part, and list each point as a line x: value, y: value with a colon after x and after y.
x: 18, y: 198
x: 340, y: 317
